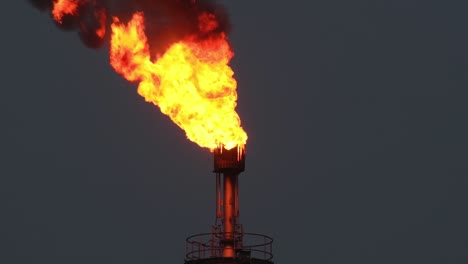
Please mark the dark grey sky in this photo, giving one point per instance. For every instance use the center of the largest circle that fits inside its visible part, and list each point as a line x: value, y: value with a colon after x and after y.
x: 357, y: 117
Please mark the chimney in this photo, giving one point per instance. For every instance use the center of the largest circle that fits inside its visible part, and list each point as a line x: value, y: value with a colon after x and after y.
x: 227, y: 243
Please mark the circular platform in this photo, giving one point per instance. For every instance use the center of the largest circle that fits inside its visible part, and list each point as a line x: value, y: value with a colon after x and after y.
x: 228, y: 261
x: 250, y: 248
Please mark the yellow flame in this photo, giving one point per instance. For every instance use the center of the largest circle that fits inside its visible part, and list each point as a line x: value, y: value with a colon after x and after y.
x: 191, y: 82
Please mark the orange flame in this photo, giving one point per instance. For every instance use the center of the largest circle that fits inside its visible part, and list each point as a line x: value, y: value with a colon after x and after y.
x: 64, y: 7
x: 191, y: 82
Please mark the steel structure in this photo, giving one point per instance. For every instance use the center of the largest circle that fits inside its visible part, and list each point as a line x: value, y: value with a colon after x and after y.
x: 227, y: 243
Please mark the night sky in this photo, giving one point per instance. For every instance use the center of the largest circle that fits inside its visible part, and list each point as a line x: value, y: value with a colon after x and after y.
x: 357, y: 119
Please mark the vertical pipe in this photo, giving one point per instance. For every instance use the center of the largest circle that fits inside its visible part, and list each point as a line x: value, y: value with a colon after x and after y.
x: 229, y: 215
x: 218, y: 195
x: 236, y: 198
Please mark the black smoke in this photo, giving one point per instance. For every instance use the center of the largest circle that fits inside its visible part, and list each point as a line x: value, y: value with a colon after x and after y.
x: 166, y: 21
x: 41, y: 4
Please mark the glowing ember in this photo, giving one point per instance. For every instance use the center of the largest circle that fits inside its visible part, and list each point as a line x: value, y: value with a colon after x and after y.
x: 191, y: 82
x: 101, y: 17
x: 65, y: 7
x: 101, y: 31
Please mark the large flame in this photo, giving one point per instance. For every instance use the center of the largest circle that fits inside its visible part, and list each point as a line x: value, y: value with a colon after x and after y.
x: 191, y: 82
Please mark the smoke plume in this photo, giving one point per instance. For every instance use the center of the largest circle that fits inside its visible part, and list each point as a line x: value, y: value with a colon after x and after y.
x: 166, y: 21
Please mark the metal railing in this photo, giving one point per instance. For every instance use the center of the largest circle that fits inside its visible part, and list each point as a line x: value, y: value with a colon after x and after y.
x: 246, y: 245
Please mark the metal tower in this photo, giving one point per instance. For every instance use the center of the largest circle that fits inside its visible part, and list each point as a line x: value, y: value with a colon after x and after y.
x: 227, y: 243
